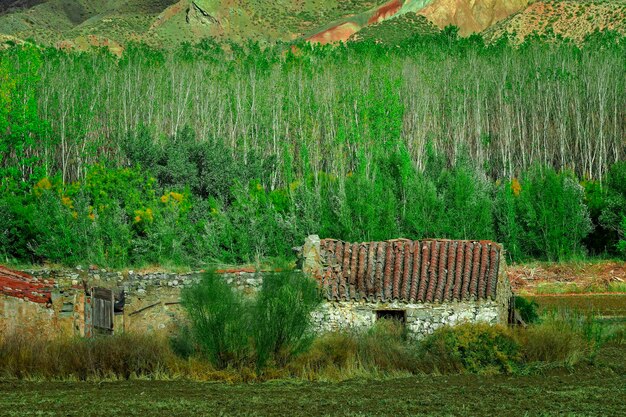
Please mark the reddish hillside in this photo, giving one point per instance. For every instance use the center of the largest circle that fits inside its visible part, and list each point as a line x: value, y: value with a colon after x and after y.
x: 470, y: 16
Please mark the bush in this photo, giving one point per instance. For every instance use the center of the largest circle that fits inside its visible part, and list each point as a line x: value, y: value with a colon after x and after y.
x: 548, y: 343
x: 331, y: 356
x: 527, y: 309
x: 613, y: 215
x: 384, y: 347
x: 552, y: 215
x: 220, y: 321
x: 282, y: 316
x: 561, y: 337
x: 234, y: 331
x: 621, y: 245
x: 471, y: 347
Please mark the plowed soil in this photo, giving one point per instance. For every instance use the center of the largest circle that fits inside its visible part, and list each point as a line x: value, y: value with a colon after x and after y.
x: 593, y: 392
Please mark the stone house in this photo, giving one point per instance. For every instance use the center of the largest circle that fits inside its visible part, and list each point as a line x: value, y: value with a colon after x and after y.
x: 425, y: 284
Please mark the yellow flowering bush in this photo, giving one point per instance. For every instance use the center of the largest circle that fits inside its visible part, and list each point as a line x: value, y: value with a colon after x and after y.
x: 516, y: 187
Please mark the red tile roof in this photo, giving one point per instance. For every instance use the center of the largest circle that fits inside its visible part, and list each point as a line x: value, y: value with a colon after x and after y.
x: 409, y: 271
x: 21, y: 285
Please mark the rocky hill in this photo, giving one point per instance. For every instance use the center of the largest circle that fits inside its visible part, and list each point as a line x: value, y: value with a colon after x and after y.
x: 165, y: 23
x: 571, y: 19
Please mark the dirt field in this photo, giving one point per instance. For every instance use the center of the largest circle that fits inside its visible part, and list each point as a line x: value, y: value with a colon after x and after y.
x: 593, y: 392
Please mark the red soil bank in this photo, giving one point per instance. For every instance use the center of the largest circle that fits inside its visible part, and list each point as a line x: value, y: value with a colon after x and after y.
x: 339, y: 33
x: 385, y: 11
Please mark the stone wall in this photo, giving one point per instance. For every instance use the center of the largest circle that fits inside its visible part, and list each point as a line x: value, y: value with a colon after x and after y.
x: 152, y: 299
x: 420, y: 319
x: 152, y: 303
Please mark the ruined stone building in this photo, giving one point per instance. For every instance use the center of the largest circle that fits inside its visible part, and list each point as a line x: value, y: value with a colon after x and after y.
x: 424, y: 284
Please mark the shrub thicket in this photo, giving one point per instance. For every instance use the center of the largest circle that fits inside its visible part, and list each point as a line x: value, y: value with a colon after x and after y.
x: 475, y: 348
x: 613, y: 215
x: 282, y: 316
x: 560, y: 339
x: 527, y: 309
x: 220, y: 320
x: 236, y: 331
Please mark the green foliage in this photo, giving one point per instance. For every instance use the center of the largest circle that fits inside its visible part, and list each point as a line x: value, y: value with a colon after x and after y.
x: 563, y: 337
x: 283, y: 315
x: 234, y: 331
x: 475, y: 348
x: 552, y: 215
x: 613, y: 215
x: 384, y: 347
x: 22, y: 132
x: 621, y: 245
x: 527, y: 309
x: 308, y: 142
x: 220, y: 320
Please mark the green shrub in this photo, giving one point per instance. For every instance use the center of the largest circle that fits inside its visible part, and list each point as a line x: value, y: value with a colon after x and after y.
x: 471, y: 347
x: 527, y: 309
x: 552, y: 215
x: 232, y: 330
x: 283, y: 315
x: 550, y: 343
x: 621, y: 245
x: 613, y: 215
x: 182, y: 342
x: 506, y: 220
x: 220, y: 321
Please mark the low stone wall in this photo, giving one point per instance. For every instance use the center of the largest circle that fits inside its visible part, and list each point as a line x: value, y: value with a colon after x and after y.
x: 152, y: 299
x: 420, y: 319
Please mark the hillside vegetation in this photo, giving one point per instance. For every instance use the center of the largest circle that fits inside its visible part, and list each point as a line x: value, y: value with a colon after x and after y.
x: 221, y: 153
x: 568, y: 19
x: 166, y: 23
x: 82, y: 24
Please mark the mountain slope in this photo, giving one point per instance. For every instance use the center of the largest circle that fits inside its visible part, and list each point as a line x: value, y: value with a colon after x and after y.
x: 470, y: 16
x: 166, y: 23
x: 163, y: 22
x: 567, y: 18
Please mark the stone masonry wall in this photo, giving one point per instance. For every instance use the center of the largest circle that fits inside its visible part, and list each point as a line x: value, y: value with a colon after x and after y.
x: 421, y: 319
x: 152, y: 299
x: 152, y: 303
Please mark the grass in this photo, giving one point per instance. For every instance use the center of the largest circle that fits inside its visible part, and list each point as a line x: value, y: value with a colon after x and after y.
x: 342, y: 374
x: 547, y: 288
x: 578, y: 394
x: 606, y: 305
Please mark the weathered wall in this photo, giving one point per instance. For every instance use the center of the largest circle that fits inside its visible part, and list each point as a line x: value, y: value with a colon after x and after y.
x: 152, y: 299
x: 152, y: 302
x: 421, y: 319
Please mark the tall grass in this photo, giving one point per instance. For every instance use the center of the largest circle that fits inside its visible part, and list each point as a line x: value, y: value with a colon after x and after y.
x: 28, y: 355
x: 561, y: 339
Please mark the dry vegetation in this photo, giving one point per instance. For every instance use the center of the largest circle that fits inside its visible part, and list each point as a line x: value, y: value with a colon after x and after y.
x: 569, y: 19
